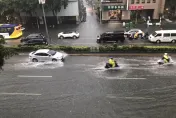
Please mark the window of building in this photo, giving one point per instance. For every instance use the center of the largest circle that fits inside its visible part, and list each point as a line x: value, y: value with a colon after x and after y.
x: 154, y: 1
x: 132, y: 1
x: 137, y: 1
x: 143, y: 1
x: 148, y: 1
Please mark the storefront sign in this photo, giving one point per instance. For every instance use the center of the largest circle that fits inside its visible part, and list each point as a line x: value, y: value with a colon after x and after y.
x: 136, y: 7
x: 114, y: 7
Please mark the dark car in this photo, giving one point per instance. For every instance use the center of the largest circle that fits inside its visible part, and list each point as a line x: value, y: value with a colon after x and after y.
x: 114, y: 36
x: 34, y: 39
x: 38, y: 41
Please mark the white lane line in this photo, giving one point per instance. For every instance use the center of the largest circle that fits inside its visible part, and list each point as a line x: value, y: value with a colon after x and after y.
x: 132, y: 98
x: 131, y: 78
x: 125, y: 78
x: 27, y: 94
x: 28, y: 76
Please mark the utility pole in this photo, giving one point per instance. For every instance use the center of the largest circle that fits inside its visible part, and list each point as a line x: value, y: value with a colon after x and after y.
x: 42, y: 2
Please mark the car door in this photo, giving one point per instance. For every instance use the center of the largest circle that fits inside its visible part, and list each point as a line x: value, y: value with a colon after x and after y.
x: 158, y: 37
x: 70, y: 34
x: 39, y: 56
x: 108, y: 38
x: 45, y: 57
x: 65, y: 34
x: 166, y: 37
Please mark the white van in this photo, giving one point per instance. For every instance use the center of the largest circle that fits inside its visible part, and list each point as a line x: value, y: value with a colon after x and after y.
x: 163, y: 36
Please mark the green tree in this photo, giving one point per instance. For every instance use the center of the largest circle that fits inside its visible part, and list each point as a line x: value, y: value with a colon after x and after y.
x: 171, y: 5
x: 5, y: 53
x: 56, y: 5
x: 29, y: 6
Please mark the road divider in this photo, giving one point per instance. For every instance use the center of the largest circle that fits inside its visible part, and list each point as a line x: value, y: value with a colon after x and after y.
x: 102, y: 49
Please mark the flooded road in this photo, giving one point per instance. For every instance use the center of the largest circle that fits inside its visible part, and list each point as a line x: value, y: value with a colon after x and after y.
x: 81, y: 88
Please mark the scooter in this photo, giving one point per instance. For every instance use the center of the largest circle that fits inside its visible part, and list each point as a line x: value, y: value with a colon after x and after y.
x: 109, y: 66
x: 161, y: 62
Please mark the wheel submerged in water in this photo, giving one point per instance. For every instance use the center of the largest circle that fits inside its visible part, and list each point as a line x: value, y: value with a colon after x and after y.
x: 107, y: 66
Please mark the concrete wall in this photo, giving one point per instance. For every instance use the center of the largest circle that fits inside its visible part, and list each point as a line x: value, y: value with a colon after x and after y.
x: 125, y: 15
x: 105, y: 15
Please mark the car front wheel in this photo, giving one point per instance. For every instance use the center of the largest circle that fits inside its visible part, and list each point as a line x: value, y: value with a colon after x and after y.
x: 74, y: 37
x: 54, y: 60
x: 61, y: 37
x: 34, y: 60
x: 158, y: 41
x: 173, y: 41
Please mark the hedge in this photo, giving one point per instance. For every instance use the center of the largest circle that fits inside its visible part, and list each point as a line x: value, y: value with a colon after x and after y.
x: 100, y: 49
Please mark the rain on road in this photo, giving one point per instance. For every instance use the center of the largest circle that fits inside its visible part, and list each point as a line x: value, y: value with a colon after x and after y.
x: 81, y: 88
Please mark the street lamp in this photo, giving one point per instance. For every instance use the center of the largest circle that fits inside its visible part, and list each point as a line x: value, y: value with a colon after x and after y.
x: 42, y: 2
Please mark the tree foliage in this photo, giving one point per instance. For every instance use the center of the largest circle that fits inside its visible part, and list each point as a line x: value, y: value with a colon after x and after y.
x: 56, y: 5
x: 5, y: 53
x: 171, y: 4
x: 9, y: 7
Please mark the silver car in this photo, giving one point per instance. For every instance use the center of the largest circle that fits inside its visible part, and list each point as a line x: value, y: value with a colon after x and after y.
x: 42, y: 55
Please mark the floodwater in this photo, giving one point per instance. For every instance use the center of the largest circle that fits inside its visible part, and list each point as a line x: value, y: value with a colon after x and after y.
x: 81, y: 87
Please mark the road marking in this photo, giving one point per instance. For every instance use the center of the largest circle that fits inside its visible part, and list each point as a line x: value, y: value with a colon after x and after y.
x: 24, y: 76
x: 132, y: 98
x: 125, y: 78
x: 131, y: 78
x: 28, y: 94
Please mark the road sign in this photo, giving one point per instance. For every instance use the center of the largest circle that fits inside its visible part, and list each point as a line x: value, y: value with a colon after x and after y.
x: 42, y: 1
x: 136, y: 7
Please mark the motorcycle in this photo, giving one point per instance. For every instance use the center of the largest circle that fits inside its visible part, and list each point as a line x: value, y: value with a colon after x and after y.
x: 161, y: 62
x: 108, y: 66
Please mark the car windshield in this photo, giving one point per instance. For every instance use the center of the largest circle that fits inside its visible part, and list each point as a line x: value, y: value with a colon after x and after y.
x: 154, y: 34
x: 52, y: 52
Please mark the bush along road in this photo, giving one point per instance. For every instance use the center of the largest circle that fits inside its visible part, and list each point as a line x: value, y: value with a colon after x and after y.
x: 100, y: 49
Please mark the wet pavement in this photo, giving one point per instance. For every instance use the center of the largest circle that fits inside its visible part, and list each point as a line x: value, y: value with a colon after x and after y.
x: 81, y: 88
x: 89, y: 31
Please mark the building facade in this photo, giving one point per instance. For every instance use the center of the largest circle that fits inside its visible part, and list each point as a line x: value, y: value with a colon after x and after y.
x: 121, y: 10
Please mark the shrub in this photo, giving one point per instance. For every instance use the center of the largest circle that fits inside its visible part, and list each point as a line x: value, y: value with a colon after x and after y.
x: 101, y: 49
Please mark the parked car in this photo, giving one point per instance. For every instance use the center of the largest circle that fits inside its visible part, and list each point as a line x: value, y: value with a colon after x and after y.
x: 132, y: 36
x: 42, y: 55
x: 38, y: 41
x: 34, y: 39
x: 163, y: 36
x: 71, y: 34
x: 132, y: 31
x: 115, y: 36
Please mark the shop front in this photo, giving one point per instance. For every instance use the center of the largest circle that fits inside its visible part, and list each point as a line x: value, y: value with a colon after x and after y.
x: 112, y: 12
x: 141, y: 12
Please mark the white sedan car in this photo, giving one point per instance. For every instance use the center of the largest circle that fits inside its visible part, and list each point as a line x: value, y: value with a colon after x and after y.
x: 42, y: 55
x: 74, y: 35
x: 132, y: 31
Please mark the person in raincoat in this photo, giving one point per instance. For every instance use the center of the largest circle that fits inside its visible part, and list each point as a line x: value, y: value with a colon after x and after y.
x: 112, y: 62
x: 166, y: 58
